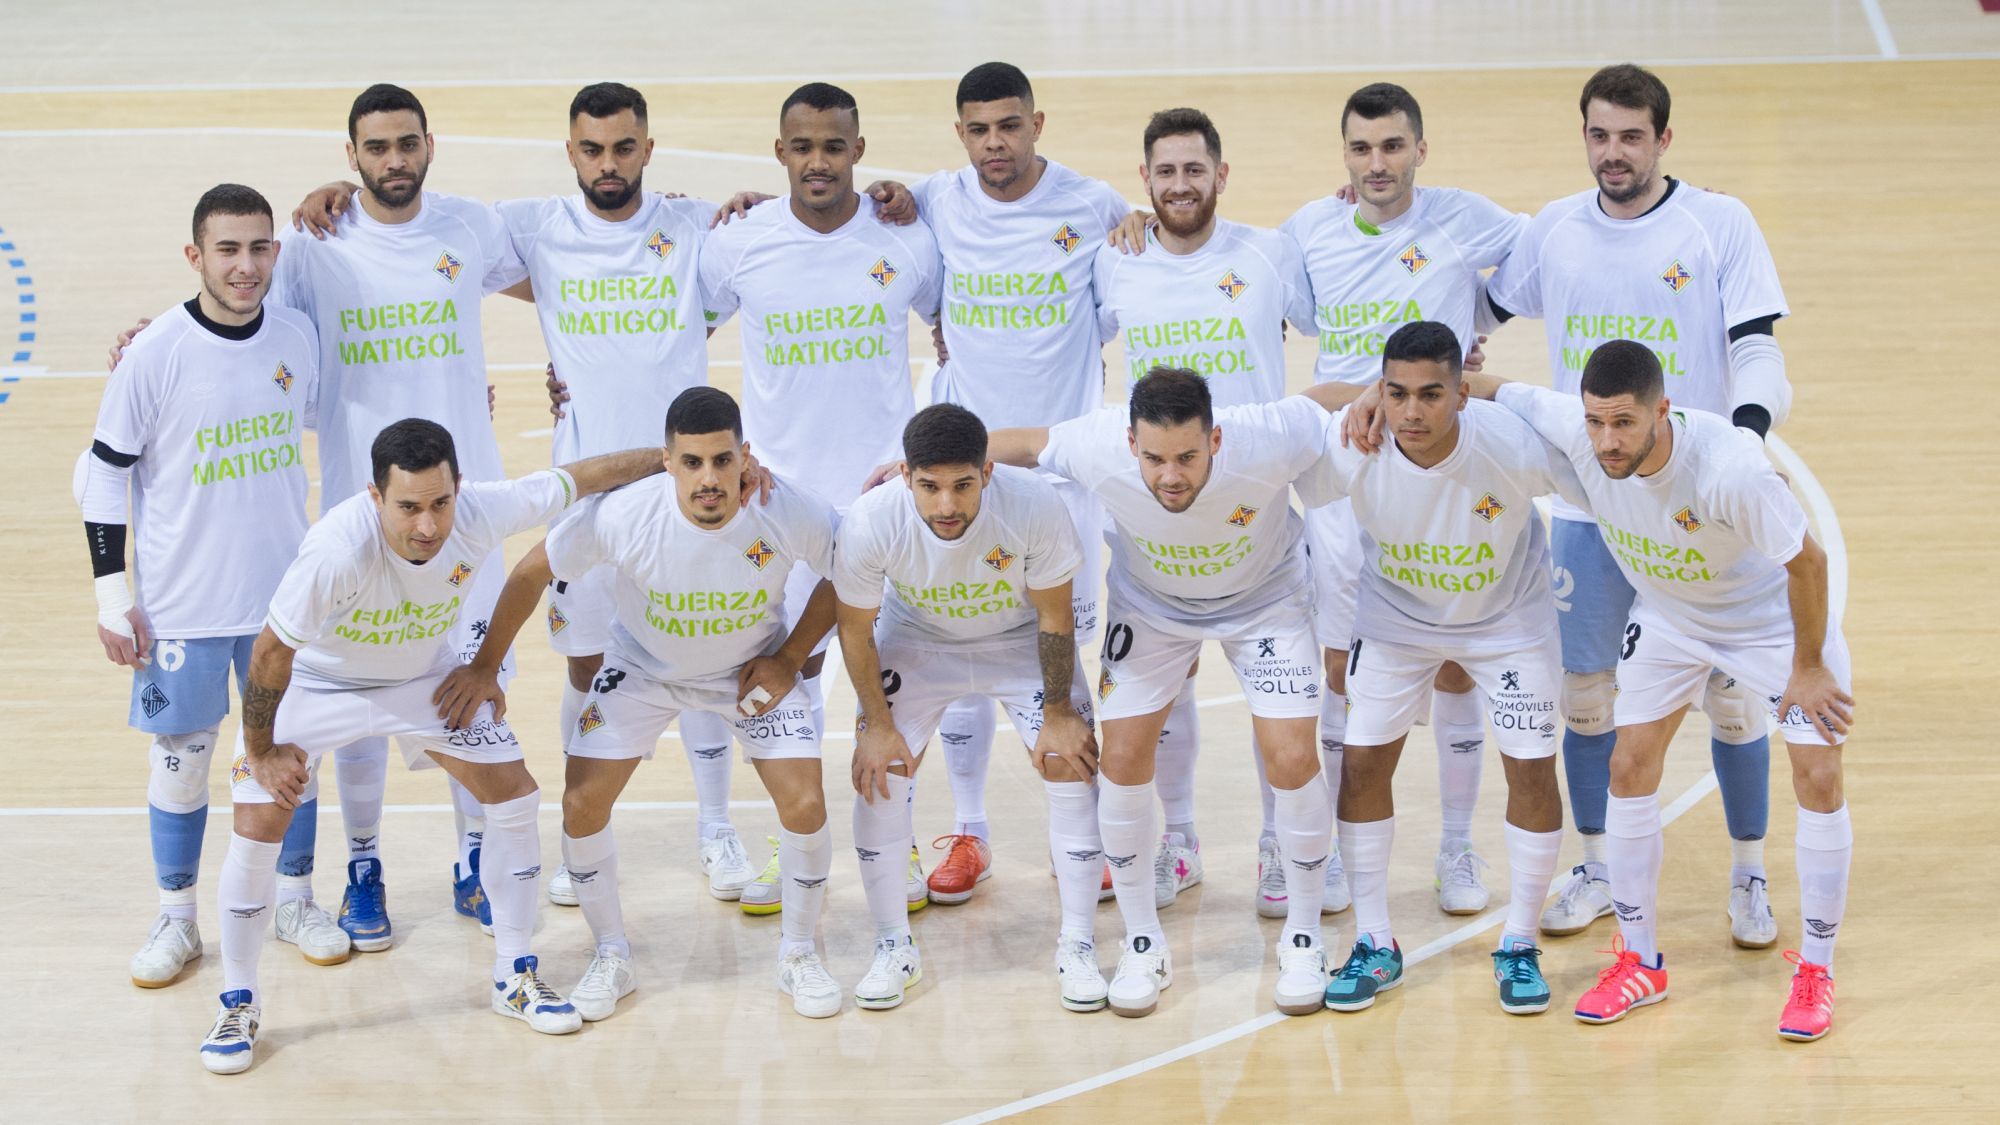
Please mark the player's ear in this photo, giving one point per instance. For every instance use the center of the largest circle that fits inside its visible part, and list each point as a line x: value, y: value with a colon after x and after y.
x: 1423, y: 150
x: 649, y: 153
x: 353, y: 164
x: 193, y: 253
x: 860, y: 146
x: 1666, y: 137
x: 778, y: 149
x: 1221, y: 176
x: 986, y: 475
x: 1215, y: 439
x: 1037, y: 119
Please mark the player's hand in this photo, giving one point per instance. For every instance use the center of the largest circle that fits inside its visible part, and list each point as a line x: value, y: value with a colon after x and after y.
x: 775, y: 674
x: 1066, y: 736
x: 757, y: 480
x: 1129, y: 235
x: 282, y: 773
x: 125, y: 341
x: 885, y: 472
x: 558, y: 394
x: 876, y: 748
x: 1475, y: 360
x: 318, y: 212
x: 1345, y: 193
x: 464, y: 691
x: 937, y: 343
x: 893, y: 202
x: 738, y: 206
x: 1817, y: 696
x: 1364, y: 422
x: 128, y: 650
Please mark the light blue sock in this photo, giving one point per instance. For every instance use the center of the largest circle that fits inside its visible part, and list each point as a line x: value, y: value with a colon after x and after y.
x: 1587, y: 768
x: 176, y: 846
x: 295, y: 856
x: 1743, y: 773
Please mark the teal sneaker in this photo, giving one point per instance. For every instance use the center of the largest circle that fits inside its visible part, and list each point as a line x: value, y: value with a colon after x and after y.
x: 1523, y: 992
x: 1368, y: 971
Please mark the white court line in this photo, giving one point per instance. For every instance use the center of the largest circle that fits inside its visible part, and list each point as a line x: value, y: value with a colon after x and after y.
x: 1824, y: 517
x: 640, y: 806
x: 1879, y: 24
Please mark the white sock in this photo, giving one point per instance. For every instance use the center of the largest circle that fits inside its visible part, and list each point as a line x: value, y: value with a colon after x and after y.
x: 361, y: 772
x: 292, y: 888
x: 705, y: 737
x: 593, y: 871
x: 244, y: 893
x: 1173, y: 764
x: 1825, y: 849
x: 1636, y: 846
x: 510, y: 869
x: 1305, y: 836
x: 966, y: 733
x: 1746, y: 861
x: 1078, y: 850
x: 1332, y: 742
x: 881, y: 832
x: 1364, y: 846
x: 1531, y: 865
x: 1461, y: 737
x: 806, y: 861
x: 178, y: 904
x: 570, y: 711
x: 470, y: 817
x: 1131, y: 841
x: 1269, y: 829
x: 1593, y: 854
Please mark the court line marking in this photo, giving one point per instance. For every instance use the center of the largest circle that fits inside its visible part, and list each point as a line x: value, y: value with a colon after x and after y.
x: 1878, y: 23
x: 639, y: 806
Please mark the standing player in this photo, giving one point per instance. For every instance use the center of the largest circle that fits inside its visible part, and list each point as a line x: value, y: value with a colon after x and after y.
x: 203, y: 417
x: 942, y: 576
x: 359, y: 640
x: 1687, y: 273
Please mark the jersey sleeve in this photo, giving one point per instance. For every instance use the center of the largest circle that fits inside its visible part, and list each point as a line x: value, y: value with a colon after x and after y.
x: 291, y: 277
x: 858, y: 568
x: 1077, y: 449
x: 1557, y: 417
x: 1517, y: 285
x: 320, y: 583
x: 1749, y: 278
x: 1485, y: 231
x: 1103, y: 275
x: 1111, y: 207
x: 926, y: 192
x: 1331, y: 477
x: 1755, y: 502
x: 504, y: 265
x: 718, y: 279
x: 576, y: 542
x: 816, y: 544
x: 522, y: 220
x: 930, y: 274
x: 1291, y: 265
x: 1055, y: 553
x: 131, y: 403
x: 513, y: 506
x: 1298, y: 434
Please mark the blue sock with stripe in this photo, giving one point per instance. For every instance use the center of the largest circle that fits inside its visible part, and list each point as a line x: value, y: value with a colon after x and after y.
x: 295, y: 855
x: 1587, y: 768
x: 177, y: 855
x: 1743, y: 773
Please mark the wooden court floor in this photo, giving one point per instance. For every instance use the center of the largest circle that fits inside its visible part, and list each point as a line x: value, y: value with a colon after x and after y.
x: 1873, y: 181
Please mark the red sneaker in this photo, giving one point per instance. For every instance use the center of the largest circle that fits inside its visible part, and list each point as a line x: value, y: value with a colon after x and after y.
x: 1809, y: 1010
x: 1626, y: 985
x: 967, y: 864
x: 1104, y: 891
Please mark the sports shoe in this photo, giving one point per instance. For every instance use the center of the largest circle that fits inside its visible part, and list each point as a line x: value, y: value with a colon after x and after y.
x: 1144, y: 969
x: 1809, y: 1009
x: 562, y: 891
x: 1272, y: 898
x: 1302, y: 977
x: 1523, y: 991
x: 1369, y: 972
x: 1458, y: 886
x: 814, y: 993
x: 965, y: 866
x: 1583, y: 899
x: 364, y: 907
x: 608, y: 980
x: 763, y: 896
x: 896, y: 968
x: 524, y: 997
x: 304, y: 924
x: 1175, y: 868
x: 726, y: 865
x: 915, y: 890
x: 1629, y: 983
x: 468, y: 897
x: 233, y: 1039
x: 1083, y: 987
x: 173, y: 943
x: 1751, y: 923
x: 1338, y: 894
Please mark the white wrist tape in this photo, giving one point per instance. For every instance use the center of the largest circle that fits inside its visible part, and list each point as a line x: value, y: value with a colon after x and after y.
x: 114, y: 601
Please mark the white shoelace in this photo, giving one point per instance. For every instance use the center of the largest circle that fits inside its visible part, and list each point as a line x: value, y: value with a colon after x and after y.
x: 233, y: 1025
x: 1464, y: 869
x: 1579, y: 881
x: 808, y: 975
x: 164, y: 930
x: 601, y: 976
x: 1271, y: 880
x: 733, y: 855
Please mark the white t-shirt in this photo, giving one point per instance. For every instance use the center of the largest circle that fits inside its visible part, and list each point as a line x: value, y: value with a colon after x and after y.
x: 692, y: 603
x: 971, y: 591
x: 1019, y: 322
x: 360, y: 615
x: 219, y: 491
x: 1423, y: 265
x: 621, y: 313
x: 397, y: 311
x: 1704, y: 540
x: 1219, y: 311
x: 1235, y: 550
x: 826, y: 337
x: 1456, y: 552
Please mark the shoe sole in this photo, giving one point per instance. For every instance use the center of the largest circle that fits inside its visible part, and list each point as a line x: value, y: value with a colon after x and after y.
x: 1748, y: 943
x: 726, y: 894
x: 1096, y: 1005
x: 608, y: 1012
x: 327, y: 961
x: 1302, y: 1007
x: 1463, y: 911
x: 228, y: 1067
x: 185, y: 965
x: 1653, y: 999
x: 954, y: 898
x: 366, y: 945
x: 813, y: 1015
x: 884, y: 1003
x: 1326, y: 908
x: 1524, y: 1009
x: 1791, y: 1036
x: 1133, y: 1013
x: 917, y: 904
x: 1363, y: 1005
x: 761, y: 908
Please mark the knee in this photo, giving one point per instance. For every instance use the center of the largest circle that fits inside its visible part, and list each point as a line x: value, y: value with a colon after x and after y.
x: 1365, y: 768
x: 1289, y: 767
x: 1734, y: 719
x: 804, y: 814
x: 582, y: 669
x: 1817, y: 780
x: 1336, y: 670
x: 1587, y: 700
x: 582, y: 814
x: 178, y: 781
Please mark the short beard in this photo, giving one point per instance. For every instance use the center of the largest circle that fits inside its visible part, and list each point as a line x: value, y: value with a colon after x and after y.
x: 397, y: 196
x: 610, y: 202
x: 1204, y: 213
x: 1632, y: 191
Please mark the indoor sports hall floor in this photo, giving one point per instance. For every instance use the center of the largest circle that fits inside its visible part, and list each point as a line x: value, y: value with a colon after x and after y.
x: 1863, y: 135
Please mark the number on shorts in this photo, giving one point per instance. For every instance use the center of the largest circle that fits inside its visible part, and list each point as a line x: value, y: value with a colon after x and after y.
x: 892, y: 682
x: 1354, y: 657
x: 1631, y: 641
x: 171, y: 655
x: 609, y: 681
x: 1117, y: 643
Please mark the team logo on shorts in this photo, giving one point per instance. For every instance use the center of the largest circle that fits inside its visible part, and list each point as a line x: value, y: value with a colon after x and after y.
x: 1488, y: 508
x: 1510, y: 680
x: 447, y: 267
x: 459, y: 573
x: 1066, y: 237
x: 1242, y: 516
x: 1676, y: 276
x: 999, y: 558
x: 557, y: 622
x: 659, y: 244
x: 760, y: 554
x: 590, y: 720
x: 239, y: 770
x: 153, y: 701
x: 1232, y: 284
x: 883, y: 271
x: 1105, y: 684
x: 1685, y: 518
x: 283, y: 377
x: 1413, y: 258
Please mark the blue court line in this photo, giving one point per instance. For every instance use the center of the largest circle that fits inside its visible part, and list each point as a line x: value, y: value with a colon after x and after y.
x: 24, y: 336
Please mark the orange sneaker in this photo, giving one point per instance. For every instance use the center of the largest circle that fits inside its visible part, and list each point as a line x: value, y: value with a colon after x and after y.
x: 969, y: 862
x: 1626, y: 985
x: 1809, y: 1010
x: 1104, y: 891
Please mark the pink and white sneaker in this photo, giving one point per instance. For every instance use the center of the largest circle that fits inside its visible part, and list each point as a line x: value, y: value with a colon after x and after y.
x: 1809, y: 1010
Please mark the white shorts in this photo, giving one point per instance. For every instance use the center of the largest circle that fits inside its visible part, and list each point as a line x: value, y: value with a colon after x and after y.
x: 1389, y: 689
x: 1273, y: 652
x: 1087, y: 584
x: 799, y: 585
x: 1661, y: 670
x: 579, y: 614
x: 922, y: 679
x: 319, y: 720
x: 627, y: 711
x: 1333, y: 540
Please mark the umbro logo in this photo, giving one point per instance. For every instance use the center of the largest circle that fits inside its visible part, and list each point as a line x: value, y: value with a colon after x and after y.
x: 1086, y: 855
x: 809, y: 884
x: 710, y: 753
x: 527, y: 873
x: 865, y: 855
x: 1821, y: 928
x: 955, y: 738
x: 1121, y: 860
x: 1626, y: 912
x: 1469, y: 746
x: 576, y: 876
x: 362, y: 841
x: 246, y: 911
x: 1309, y: 864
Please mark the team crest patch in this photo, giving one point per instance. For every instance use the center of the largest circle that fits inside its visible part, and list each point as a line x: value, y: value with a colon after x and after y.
x: 760, y: 554
x: 1413, y: 258
x: 459, y: 573
x: 153, y: 701
x: 447, y: 267
x: 590, y: 720
x: 239, y: 770
x: 1488, y: 508
x: 1676, y: 276
x: 557, y: 622
x: 1686, y: 518
x: 283, y: 377
x: 883, y: 271
x: 659, y: 244
x: 1232, y: 285
x: 1242, y: 516
x: 1105, y: 685
x: 1066, y: 237
x: 999, y: 558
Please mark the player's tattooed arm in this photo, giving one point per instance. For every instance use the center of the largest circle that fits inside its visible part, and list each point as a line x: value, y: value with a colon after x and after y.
x: 476, y: 683
x: 877, y: 744
x: 279, y: 767
x: 1066, y: 748
x: 320, y: 210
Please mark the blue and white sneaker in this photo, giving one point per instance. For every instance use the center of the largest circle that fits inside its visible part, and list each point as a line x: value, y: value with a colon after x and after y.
x: 524, y: 997
x: 233, y: 1039
x: 1518, y: 969
x: 1368, y: 972
x: 364, y: 907
x: 468, y: 897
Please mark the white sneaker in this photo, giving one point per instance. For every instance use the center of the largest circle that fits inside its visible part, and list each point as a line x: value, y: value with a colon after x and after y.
x: 319, y: 938
x: 1302, y: 976
x: 1458, y: 886
x: 1339, y: 896
x: 523, y: 996
x: 168, y: 949
x: 916, y: 890
x: 1143, y: 970
x: 1582, y: 900
x: 814, y: 993
x: 562, y: 891
x: 233, y: 1039
x: 727, y: 865
x: 608, y: 980
x: 1751, y: 923
x: 1272, y: 898
x: 896, y: 968
x: 1083, y: 987
x: 1176, y: 868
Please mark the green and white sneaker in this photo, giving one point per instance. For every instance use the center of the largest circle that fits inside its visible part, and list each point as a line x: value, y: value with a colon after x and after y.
x: 1368, y: 971
x: 1518, y: 969
x: 763, y: 896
